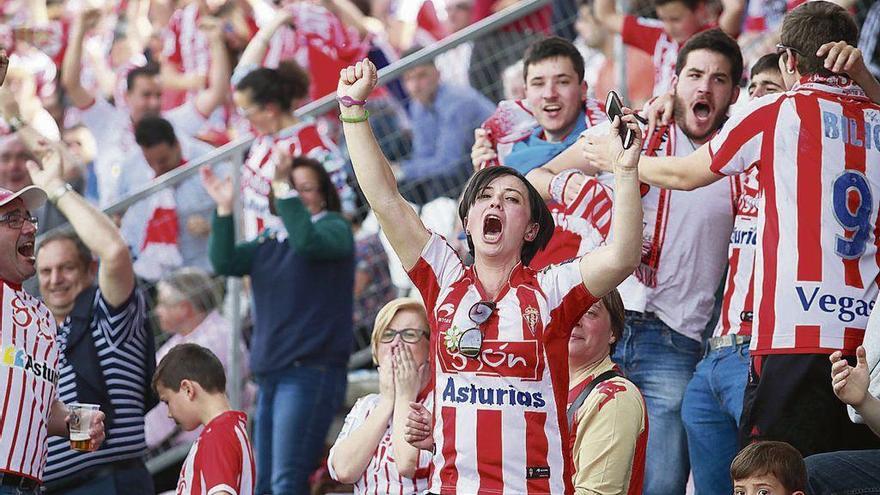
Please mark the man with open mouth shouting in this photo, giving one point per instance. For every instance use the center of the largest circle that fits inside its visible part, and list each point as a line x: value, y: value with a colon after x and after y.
x: 669, y: 299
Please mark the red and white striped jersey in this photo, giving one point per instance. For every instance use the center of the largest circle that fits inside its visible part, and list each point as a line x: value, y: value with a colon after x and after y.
x: 321, y: 44
x: 256, y: 176
x: 187, y: 49
x: 516, y: 390
x: 648, y: 35
x: 29, y: 374
x: 736, y: 306
x: 581, y: 227
x: 816, y: 267
x: 221, y: 459
x: 381, y: 476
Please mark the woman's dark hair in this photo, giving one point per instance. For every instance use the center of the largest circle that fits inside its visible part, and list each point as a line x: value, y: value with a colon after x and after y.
x: 616, y: 315
x: 281, y: 86
x: 538, y: 209
x: 325, y: 184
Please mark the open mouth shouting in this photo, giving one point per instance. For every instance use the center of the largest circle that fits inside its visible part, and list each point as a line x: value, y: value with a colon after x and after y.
x: 25, y: 248
x: 492, y: 228
x: 702, y: 111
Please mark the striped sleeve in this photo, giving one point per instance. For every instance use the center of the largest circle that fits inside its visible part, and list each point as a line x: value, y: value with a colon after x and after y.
x: 125, y: 323
x: 567, y: 296
x: 438, y: 267
x: 738, y: 145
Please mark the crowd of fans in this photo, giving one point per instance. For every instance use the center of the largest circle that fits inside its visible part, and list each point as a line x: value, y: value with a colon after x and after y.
x: 666, y: 380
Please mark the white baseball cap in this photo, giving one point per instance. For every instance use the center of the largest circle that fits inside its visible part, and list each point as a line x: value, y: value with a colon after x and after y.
x: 33, y: 197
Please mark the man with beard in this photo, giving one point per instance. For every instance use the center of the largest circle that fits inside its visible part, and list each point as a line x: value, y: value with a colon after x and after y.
x: 713, y: 400
x: 669, y: 299
x: 816, y: 254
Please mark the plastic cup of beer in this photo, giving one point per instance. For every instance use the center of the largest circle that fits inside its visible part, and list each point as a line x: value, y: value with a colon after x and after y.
x: 80, y: 420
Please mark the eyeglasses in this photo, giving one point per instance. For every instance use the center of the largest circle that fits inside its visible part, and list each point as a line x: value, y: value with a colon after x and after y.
x: 408, y: 335
x: 15, y: 220
x: 470, y: 343
x: 780, y: 49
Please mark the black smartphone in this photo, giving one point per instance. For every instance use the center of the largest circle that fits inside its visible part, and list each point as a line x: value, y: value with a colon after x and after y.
x: 614, y: 108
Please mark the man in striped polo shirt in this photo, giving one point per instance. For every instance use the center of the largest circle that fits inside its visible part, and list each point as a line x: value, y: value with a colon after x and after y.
x: 104, y: 343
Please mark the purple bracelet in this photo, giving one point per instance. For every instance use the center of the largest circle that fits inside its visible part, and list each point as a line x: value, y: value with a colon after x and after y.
x: 348, y: 101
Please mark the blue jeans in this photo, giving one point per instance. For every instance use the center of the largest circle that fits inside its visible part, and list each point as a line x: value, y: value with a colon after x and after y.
x: 711, y: 412
x: 294, y: 410
x: 660, y: 361
x: 848, y: 472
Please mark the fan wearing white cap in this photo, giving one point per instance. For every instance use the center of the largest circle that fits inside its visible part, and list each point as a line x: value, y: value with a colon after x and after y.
x: 29, y: 352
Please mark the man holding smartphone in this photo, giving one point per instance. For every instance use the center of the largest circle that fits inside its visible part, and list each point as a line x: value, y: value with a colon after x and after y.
x: 670, y: 298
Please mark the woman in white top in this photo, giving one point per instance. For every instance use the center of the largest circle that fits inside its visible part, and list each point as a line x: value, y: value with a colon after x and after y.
x: 370, y: 451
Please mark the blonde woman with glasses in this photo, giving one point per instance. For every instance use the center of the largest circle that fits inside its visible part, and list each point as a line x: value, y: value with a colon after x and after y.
x: 370, y: 451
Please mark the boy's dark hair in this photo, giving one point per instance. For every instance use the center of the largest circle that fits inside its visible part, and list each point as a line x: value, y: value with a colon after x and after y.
x: 690, y: 4
x: 810, y: 26
x: 767, y: 63
x: 190, y: 362
x: 614, y: 305
x: 280, y: 86
x: 778, y: 459
x: 714, y: 40
x: 553, y: 47
x: 151, y: 69
x: 152, y: 130
x: 537, y: 208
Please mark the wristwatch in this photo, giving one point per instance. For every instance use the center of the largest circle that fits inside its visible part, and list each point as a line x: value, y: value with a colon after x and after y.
x: 280, y: 188
x: 55, y: 194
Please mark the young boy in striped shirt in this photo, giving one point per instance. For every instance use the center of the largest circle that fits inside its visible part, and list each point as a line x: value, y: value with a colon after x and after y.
x: 191, y: 381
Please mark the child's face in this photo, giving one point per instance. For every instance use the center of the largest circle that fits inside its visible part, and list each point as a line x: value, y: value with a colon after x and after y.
x: 766, y: 484
x: 181, y: 407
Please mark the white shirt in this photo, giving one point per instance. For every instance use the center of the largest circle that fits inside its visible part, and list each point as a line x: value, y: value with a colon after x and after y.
x: 114, y: 137
x: 686, y: 234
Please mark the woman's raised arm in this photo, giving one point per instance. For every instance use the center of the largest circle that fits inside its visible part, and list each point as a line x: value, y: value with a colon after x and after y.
x: 405, y: 231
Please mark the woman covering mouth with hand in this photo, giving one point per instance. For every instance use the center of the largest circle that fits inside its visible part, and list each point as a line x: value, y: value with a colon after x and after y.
x: 499, y: 330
